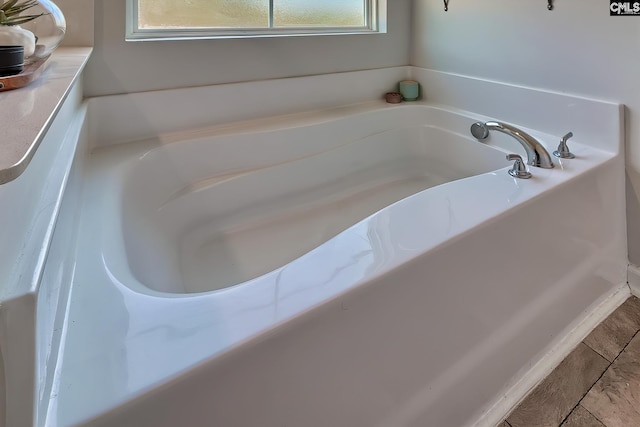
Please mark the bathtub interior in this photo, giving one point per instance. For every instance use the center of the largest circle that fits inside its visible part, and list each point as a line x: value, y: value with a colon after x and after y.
x: 218, y: 224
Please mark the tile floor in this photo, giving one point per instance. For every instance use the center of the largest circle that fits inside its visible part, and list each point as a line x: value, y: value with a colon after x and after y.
x: 597, y: 385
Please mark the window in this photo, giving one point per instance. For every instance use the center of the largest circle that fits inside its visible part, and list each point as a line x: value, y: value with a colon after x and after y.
x: 194, y: 19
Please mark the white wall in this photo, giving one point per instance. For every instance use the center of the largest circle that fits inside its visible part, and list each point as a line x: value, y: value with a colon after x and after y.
x: 79, y: 17
x: 577, y: 48
x: 120, y: 67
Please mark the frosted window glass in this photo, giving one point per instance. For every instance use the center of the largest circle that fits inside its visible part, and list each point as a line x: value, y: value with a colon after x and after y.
x: 309, y: 13
x: 203, y: 14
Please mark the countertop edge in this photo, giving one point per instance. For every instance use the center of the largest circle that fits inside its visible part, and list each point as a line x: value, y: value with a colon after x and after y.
x: 54, y: 83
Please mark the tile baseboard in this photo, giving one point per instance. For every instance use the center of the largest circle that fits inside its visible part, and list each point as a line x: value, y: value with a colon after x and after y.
x: 541, y: 369
x: 633, y: 279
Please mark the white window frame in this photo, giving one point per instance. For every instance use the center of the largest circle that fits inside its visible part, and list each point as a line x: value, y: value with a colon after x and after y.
x: 375, y: 17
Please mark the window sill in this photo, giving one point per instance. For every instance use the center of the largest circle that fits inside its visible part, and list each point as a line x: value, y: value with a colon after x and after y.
x: 176, y: 35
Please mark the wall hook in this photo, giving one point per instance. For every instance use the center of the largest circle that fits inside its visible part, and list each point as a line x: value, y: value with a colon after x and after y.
x: 550, y: 4
x: 446, y: 5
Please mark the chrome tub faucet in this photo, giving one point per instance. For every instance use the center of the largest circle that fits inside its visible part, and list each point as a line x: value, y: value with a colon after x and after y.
x: 537, y: 155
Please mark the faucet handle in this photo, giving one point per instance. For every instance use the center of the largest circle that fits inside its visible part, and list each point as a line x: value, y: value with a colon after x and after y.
x: 563, y: 150
x: 519, y: 170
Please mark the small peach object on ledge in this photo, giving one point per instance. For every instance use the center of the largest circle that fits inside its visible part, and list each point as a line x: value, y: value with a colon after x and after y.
x: 393, y: 97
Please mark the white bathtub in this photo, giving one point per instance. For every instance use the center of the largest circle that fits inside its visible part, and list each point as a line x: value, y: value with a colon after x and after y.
x: 205, y: 214
x: 370, y: 265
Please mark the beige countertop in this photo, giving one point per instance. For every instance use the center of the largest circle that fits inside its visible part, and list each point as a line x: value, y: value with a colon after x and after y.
x: 26, y: 113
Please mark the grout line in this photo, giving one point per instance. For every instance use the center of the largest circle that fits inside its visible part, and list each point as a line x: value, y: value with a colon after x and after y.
x: 515, y: 407
x: 599, y: 420
x: 625, y: 347
x: 600, y: 354
x: 594, y: 383
x: 600, y: 377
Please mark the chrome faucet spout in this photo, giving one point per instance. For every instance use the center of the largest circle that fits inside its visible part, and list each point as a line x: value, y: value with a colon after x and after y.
x: 537, y: 155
